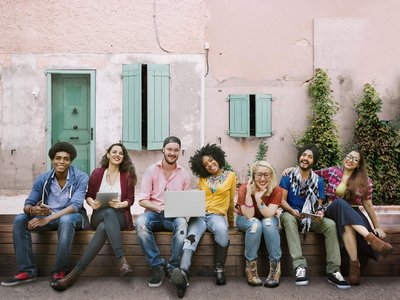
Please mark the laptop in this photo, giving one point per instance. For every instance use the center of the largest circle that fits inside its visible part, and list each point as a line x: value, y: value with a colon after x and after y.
x: 191, y: 203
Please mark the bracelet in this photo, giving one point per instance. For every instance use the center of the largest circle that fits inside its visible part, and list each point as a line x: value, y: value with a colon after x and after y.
x: 249, y: 206
x: 262, y: 205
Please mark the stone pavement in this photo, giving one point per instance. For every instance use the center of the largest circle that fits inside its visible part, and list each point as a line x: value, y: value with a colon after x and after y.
x: 374, y: 288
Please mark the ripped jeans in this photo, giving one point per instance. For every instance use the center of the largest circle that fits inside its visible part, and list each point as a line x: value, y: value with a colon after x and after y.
x: 149, y: 222
x: 216, y: 224
x: 254, y: 229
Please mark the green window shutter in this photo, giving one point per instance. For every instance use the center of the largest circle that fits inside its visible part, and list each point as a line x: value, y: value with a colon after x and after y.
x: 239, y: 115
x: 132, y: 106
x: 263, y: 115
x: 157, y: 105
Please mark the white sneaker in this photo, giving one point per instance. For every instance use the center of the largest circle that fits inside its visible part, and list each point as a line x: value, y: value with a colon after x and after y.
x: 337, y: 279
x: 301, y: 277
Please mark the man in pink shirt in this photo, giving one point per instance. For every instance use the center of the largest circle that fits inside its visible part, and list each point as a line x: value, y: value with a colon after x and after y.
x: 164, y: 175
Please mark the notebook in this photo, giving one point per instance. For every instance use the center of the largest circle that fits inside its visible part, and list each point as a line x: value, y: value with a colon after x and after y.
x: 106, y: 197
x: 191, y: 203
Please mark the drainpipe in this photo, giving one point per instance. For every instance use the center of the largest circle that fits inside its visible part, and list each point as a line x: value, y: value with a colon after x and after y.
x: 202, y: 112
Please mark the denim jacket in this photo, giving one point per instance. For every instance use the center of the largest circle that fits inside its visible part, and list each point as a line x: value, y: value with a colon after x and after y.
x: 77, y: 185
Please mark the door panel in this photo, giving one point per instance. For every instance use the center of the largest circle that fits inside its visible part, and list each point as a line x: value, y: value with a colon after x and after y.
x: 71, y: 115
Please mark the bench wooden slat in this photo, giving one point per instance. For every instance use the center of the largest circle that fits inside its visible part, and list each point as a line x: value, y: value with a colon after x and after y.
x: 45, y: 244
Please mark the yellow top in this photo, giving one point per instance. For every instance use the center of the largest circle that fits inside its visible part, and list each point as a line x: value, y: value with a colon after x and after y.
x: 341, y: 189
x: 222, y: 200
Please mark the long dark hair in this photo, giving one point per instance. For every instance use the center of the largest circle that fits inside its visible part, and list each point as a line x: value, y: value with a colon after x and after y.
x: 358, y: 181
x: 196, y: 161
x: 125, y: 166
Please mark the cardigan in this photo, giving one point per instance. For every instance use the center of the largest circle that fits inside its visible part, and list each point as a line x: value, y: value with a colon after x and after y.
x: 222, y: 200
x: 127, y: 192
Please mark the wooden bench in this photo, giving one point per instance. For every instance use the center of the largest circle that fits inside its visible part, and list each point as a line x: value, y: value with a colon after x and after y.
x: 44, y: 247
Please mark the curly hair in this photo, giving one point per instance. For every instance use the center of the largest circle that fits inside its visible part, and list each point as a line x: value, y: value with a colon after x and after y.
x: 62, y: 147
x: 125, y: 166
x: 196, y: 161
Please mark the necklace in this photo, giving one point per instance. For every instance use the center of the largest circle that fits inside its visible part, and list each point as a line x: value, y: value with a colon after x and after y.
x: 215, y: 181
x: 112, y: 182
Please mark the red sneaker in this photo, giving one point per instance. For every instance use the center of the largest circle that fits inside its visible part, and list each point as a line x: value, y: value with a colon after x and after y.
x: 21, y: 277
x: 57, y: 275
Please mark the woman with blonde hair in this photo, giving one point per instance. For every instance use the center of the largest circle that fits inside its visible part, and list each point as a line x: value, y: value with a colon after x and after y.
x: 257, y: 204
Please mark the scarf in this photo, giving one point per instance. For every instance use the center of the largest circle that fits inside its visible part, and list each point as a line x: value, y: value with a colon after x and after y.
x: 308, y: 189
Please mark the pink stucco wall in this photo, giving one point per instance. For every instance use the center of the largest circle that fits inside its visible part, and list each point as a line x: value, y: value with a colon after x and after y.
x: 273, y: 47
x: 101, y: 26
x: 258, y: 46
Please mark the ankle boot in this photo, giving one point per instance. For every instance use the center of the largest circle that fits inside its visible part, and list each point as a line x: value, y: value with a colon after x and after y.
x: 274, y: 274
x: 124, y: 267
x: 252, y: 274
x: 64, y: 283
x: 378, y: 245
x: 354, y: 272
x: 220, y: 254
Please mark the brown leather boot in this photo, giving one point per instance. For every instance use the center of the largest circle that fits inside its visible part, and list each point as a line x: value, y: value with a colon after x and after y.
x: 354, y: 272
x: 64, y: 283
x: 274, y: 274
x: 252, y: 274
x: 378, y: 245
x: 124, y: 267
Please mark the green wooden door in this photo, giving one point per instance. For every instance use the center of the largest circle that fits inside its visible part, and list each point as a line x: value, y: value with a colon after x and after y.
x: 71, y: 115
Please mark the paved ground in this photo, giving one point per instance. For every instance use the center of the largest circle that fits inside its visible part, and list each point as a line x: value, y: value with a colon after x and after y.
x: 203, y: 288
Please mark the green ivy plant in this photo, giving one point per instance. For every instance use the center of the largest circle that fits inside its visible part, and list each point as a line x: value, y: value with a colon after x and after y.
x: 322, y: 130
x: 260, y: 155
x: 379, y: 141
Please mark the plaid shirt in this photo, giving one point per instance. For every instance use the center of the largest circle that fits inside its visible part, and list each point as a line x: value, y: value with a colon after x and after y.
x: 333, y: 176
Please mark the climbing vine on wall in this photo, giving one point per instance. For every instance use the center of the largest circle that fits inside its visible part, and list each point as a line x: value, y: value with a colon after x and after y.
x: 379, y: 141
x: 322, y: 129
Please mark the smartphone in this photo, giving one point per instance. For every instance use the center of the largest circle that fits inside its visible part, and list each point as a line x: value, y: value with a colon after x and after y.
x: 43, y: 205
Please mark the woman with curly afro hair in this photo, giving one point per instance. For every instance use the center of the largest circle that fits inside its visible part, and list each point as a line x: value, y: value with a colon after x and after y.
x: 219, y: 185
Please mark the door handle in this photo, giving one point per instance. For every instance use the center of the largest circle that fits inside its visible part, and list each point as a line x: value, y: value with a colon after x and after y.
x: 74, y: 138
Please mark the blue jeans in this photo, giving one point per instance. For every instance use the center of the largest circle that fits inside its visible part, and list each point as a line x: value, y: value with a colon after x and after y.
x: 65, y: 226
x: 216, y: 224
x: 254, y: 229
x: 150, y: 222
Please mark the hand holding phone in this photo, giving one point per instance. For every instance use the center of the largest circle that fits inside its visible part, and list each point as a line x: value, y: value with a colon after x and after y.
x: 41, y: 209
x: 43, y: 205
